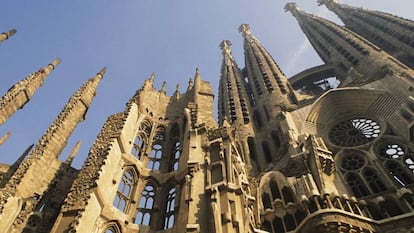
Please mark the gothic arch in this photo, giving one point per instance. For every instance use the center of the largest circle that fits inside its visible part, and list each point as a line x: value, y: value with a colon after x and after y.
x: 126, y: 189
x: 342, y: 118
x: 112, y: 227
x: 397, y: 159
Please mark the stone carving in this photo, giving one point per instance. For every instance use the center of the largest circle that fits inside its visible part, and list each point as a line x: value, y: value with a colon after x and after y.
x: 82, y: 187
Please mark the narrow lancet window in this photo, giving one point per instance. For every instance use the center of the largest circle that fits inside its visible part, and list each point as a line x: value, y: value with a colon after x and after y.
x: 145, y: 206
x: 155, y: 157
x: 125, y: 191
x: 170, y: 209
x: 138, y: 147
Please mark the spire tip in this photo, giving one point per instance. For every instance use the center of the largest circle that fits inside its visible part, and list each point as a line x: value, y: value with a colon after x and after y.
x: 102, y: 71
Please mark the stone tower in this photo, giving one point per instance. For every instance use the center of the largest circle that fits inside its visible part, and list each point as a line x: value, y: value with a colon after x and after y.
x: 391, y: 33
x: 286, y: 155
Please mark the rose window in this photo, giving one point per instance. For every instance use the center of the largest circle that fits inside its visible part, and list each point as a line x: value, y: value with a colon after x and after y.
x: 352, y: 162
x: 354, y: 132
x: 392, y: 151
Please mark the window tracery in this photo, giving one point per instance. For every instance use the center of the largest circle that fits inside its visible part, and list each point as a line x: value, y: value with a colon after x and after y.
x: 146, y: 204
x: 399, y: 165
x: 155, y: 157
x: 354, y: 132
x: 170, y: 209
x: 138, y: 147
x: 176, y: 156
x: 125, y: 191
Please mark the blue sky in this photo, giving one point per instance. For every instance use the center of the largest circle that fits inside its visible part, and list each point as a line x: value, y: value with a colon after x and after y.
x: 134, y: 38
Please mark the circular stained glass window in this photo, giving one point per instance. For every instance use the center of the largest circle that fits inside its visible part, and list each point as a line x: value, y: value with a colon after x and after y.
x: 392, y: 151
x: 352, y: 162
x: 354, y: 132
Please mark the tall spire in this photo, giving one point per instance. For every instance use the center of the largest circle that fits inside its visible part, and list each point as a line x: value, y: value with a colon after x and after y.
x: 51, y: 144
x: 232, y: 93
x: 6, y: 35
x: 346, y: 50
x: 265, y: 78
x: 393, y: 34
x: 21, y: 93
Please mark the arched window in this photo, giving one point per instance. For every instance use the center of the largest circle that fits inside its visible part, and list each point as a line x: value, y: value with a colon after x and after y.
x: 266, y: 151
x: 170, y: 209
x: 287, y: 194
x: 400, y: 166
x: 175, y: 156
x: 267, y: 204
x: 146, y: 203
x: 125, y: 191
x: 373, y: 180
x: 138, y: 147
x: 274, y: 188
x: 112, y: 227
x: 357, y: 185
x: 155, y: 157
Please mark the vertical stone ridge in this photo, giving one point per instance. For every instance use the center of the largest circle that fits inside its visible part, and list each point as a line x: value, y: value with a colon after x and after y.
x: 51, y: 143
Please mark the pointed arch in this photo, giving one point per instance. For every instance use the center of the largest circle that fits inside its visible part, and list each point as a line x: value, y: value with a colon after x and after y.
x: 170, y: 208
x: 175, y: 147
x: 356, y: 184
x: 112, y: 227
x: 126, y: 190
x: 138, y: 148
x: 146, y: 204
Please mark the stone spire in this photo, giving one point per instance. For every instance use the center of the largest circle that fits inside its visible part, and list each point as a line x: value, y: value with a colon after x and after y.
x: 393, y: 34
x: 44, y: 155
x: 233, y: 103
x: 346, y: 50
x: 72, y: 155
x: 265, y: 78
x: 6, y: 35
x: 21, y: 93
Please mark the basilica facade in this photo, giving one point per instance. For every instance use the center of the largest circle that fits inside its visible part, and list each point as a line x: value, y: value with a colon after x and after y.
x: 286, y: 154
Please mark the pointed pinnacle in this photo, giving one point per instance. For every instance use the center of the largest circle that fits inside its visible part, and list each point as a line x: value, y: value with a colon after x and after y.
x: 164, y: 87
x: 51, y: 66
x: 152, y: 76
x: 12, y: 32
x: 4, y: 138
x: 291, y: 6
x: 197, y: 78
x: 23, y: 156
x: 327, y: 2
x: 102, y: 72
x: 190, y: 84
x: 73, y: 153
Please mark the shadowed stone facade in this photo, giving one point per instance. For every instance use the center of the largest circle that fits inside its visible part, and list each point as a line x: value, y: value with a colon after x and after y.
x: 284, y: 156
